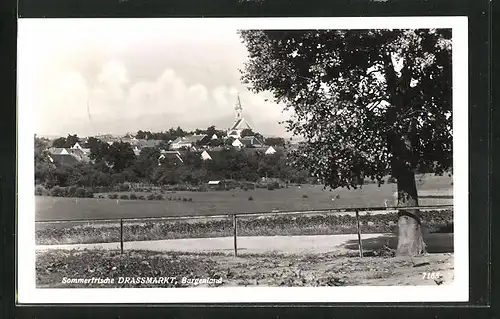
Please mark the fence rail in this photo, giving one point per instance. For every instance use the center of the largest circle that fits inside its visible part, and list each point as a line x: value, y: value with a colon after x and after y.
x: 234, y: 217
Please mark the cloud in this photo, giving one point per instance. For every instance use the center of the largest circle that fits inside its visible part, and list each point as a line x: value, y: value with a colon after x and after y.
x: 133, y: 78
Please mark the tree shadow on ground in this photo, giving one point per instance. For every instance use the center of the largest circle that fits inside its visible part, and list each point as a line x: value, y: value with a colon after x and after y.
x: 436, y: 242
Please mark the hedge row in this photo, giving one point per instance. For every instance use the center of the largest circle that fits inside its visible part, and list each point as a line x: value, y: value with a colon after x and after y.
x: 134, y: 196
x: 70, y: 191
x: 434, y: 221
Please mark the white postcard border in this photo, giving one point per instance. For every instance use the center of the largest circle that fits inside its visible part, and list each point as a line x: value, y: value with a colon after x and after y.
x: 458, y: 291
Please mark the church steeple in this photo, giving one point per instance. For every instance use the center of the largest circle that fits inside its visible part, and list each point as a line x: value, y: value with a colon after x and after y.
x: 239, y: 109
x: 240, y: 123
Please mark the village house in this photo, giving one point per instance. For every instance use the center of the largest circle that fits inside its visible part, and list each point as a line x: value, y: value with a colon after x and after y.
x: 205, y: 156
x: 217, y: 185
x: 174, y: 156
x: 77, y: 146
x: 251, y: 141
x: 188, y: 142
x: 270, y: 151
x: 62, y: 156
x: 237, y: 143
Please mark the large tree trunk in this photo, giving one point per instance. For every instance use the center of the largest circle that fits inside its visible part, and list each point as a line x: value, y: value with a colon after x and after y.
x: 410, y: 239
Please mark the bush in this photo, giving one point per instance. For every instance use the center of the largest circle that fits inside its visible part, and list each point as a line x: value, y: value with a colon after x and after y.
x: 305, y: 196
x: 190, y: 199
x: 73, y: 191
x: 133, y: 196
x: 101, y: 196
x: 151, y: 197
x: 159, y: 197
x: 273, y: 186
x: 142, y: 197
x: 113, y: 196
x: 124, y: 196
x: 250, y: 198
x: 184, y: 199
x: 40, y: 190
x: 79, y: 192
x: 57, y: 191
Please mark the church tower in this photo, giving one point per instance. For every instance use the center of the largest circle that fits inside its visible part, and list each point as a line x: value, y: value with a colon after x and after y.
x: 239, y: 109
x: 240, y: 123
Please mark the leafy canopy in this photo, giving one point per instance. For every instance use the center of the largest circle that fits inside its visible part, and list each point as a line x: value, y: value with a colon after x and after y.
x: 366, y: 101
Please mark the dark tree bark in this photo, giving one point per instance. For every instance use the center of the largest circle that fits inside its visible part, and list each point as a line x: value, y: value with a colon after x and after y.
x: 410, y: 236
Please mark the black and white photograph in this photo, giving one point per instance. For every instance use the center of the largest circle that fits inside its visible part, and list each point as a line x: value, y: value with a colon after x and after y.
x: 248, y: 160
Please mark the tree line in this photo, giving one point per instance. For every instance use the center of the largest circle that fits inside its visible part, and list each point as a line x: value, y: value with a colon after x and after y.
x: 116, y: 164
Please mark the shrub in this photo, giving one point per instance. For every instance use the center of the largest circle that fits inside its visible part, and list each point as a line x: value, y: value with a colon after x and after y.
x: 133, y: 196
x: 184, y: 199
x: 57, y: 191
x: 78, y: 192
x: 124, y: 187
x: 159, y: 197
x: 113, y: 196
x: 40, y: 190
x: 73, y: 191
x: 124, y: 196
x: 305, y: 196
x: 101, y: 196
x: 142, y: 197
x: 250, y: 198
x: 273, y: 186
x: 190, y: 199
x: 151, y: 197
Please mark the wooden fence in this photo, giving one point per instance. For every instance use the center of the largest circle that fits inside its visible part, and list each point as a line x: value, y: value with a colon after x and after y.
x: 234, y: 218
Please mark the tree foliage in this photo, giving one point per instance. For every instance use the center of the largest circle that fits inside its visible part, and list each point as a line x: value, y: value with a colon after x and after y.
x: 367, y: 102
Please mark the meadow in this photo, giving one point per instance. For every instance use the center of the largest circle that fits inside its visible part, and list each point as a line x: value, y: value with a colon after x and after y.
x: 433, y: 190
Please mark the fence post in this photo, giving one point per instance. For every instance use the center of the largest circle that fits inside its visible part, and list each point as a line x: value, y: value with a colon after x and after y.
x: 121, y: 235
x: 359, y: 235
x: 235, y: 234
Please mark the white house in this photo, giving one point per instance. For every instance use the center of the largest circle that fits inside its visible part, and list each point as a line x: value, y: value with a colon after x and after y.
x: 136, y: 150
x: 237, y: 143
x: 76, y: 146
x: 187, y: 141
x: 205, y: 156
x: 270, y: 151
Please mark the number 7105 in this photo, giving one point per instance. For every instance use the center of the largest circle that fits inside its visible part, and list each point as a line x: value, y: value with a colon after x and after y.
x: 431, y: 275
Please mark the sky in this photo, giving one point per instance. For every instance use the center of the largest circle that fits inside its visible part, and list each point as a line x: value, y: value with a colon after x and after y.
x: 113, y: 76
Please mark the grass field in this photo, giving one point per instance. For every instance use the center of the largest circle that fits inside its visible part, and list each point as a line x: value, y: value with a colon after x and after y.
x: 430, y: 187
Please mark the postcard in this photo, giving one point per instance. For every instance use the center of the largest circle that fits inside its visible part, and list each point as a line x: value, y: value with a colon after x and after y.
x: 247, y: 160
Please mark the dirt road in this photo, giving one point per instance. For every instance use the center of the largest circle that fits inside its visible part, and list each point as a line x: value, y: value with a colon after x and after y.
x: 441, y: 243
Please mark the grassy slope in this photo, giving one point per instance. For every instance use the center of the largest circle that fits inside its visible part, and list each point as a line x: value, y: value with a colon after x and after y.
x: 236, y: 201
